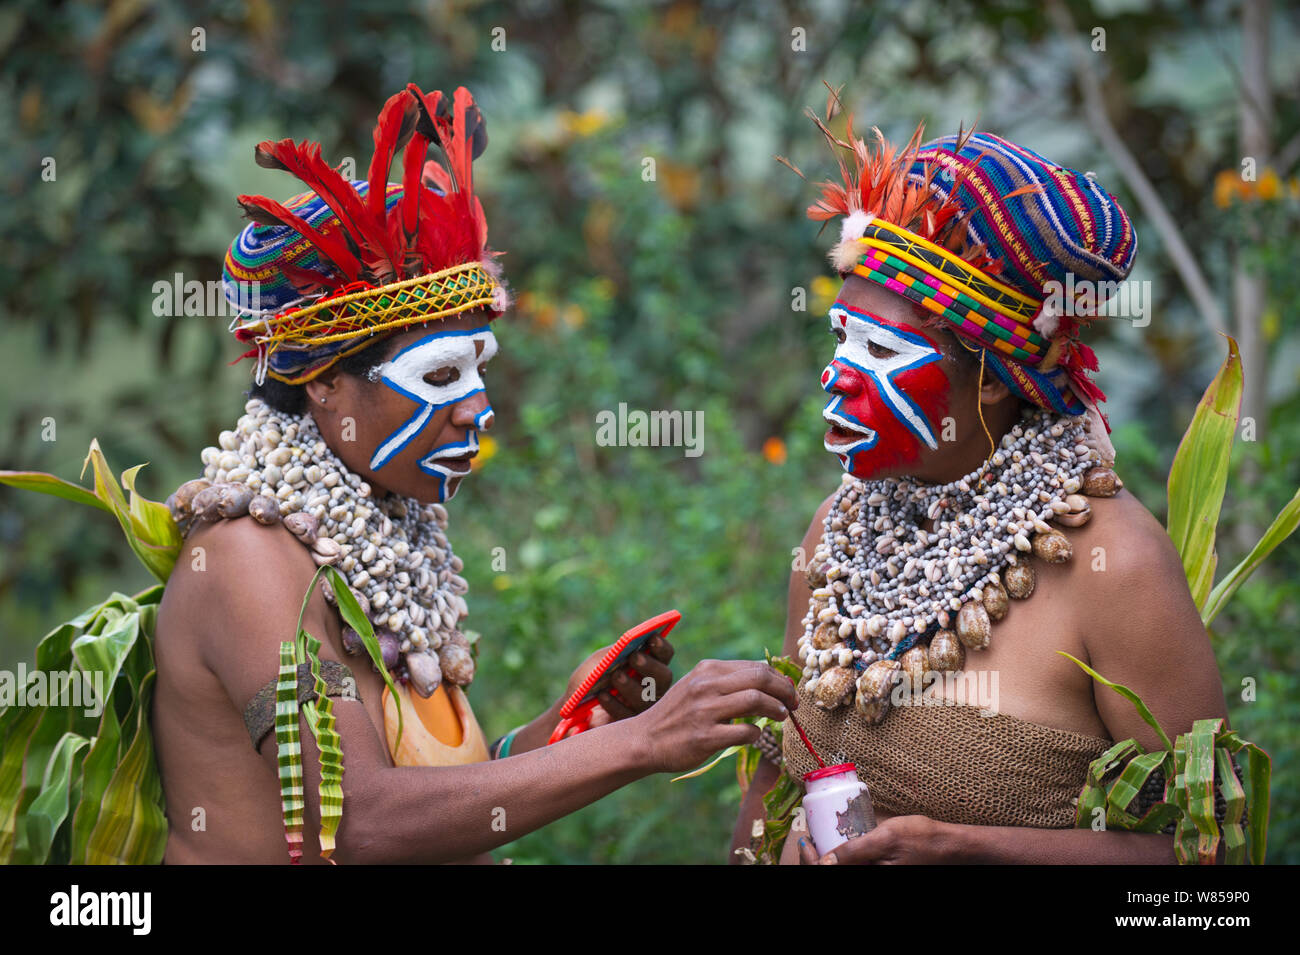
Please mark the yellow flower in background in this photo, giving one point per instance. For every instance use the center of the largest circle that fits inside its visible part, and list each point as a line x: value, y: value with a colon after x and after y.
x: 583, y: 124
x: 1229, y: 186
x: 501, y: 581
x: 1269, y: 186
x: 573, y: 316
x: 487, y: 446
x: 774, y: 450
x: 824, y: 290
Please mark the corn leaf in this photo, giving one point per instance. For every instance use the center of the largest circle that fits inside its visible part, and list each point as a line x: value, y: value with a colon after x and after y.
x: 50, y: 808
x: 49, y: 484
x: 151, y: 520
x: 158, y: 556
x: 97, y: 773
x: 1282, y: 527
x: 131, y: 828
x: 11, y: 776
x: 1200, y: 473
x: 1128, y: 694
x: 289, y: 750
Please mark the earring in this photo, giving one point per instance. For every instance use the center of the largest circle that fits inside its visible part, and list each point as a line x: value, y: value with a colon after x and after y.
x: 322, y: 401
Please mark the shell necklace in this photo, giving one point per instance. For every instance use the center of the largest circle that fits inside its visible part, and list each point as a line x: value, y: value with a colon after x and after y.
x: 890, y: 597
x: 393, y: 551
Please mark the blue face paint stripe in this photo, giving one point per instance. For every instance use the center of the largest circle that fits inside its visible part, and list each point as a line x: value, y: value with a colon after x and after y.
x: 415, y: 423
x: 435, y: 335
x: 482, y: 416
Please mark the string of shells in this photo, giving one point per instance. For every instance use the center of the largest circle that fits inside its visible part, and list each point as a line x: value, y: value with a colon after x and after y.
x: 277, y: 469
x: 890, y: 598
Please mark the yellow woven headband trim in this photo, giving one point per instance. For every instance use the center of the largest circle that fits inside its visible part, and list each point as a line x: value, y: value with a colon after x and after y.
x: 426, y: 298
x: 965, y: 267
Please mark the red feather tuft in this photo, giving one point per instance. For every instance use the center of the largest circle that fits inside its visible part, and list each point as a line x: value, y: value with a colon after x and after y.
x: 263, y: 210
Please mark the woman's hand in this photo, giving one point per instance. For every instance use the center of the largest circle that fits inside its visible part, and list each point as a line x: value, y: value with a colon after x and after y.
x: 632, y: 695
x: 899, y: 840
x: 693, y: 720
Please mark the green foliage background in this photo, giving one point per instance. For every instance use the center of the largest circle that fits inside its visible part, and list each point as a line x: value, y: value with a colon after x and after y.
x: 672, y: 293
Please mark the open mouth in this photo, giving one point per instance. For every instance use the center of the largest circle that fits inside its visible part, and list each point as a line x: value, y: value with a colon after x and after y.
x: 842, y: 435
x: 458, y: 465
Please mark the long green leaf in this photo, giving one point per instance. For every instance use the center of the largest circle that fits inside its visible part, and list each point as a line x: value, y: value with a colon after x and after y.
x: 1198, y: 777
x: 1282, y: 527
x: 729, y: 751
x: 11, y: 776
x: 97, y: 772
x: 49, y: 484
x: 1200, y: 473
x: 1234, y: 798
x: 132, y: 828
x: 1129, y: 695
x: 351, y: 613
x: 289, y: 750
x: 50, y: 808
x: 320, y: 720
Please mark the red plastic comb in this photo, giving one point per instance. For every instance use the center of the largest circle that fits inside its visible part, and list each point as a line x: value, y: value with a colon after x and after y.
x: 575, y: 714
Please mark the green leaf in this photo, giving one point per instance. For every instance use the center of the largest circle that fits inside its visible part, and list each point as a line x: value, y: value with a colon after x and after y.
x: 50, y: 808
x: 1200, y: 473
x: 289, y: 749
x: 1128, y: 695
x: 320, y: 720
x: 11, y: 776
x: 158, y: 558
x: 1234, y: 798
x: 1198, y: 778
x: 351, y: 613
x: 96, y: 772
x: 151, y: 520
x: 49, y: 484
x: 729, y: 751
x: 1282, y: 527
x: 131, y: 828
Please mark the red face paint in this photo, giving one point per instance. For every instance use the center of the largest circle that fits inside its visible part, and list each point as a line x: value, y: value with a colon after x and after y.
x: 889, y: 392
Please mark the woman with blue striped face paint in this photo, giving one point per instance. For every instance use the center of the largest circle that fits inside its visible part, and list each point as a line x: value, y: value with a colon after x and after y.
x: 411, y: 423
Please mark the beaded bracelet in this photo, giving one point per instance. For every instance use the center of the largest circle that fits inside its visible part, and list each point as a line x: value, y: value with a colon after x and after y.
x: 501, y: 748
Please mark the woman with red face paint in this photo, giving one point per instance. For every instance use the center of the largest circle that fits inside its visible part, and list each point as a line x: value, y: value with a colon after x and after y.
x: 978, y: 476
x: 367, y: 306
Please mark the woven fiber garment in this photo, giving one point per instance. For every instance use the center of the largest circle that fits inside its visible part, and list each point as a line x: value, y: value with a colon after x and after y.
x: 952, y: 764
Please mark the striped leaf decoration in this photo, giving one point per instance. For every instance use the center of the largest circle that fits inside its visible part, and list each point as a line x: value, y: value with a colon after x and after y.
x: 319, y: 714
x: 288, y: 748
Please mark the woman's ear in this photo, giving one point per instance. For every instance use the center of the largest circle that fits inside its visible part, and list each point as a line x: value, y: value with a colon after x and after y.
x: 992, y: 388
x: 321, y: 390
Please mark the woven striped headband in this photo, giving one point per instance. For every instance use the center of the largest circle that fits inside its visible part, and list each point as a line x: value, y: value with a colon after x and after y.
x: 978, y: 305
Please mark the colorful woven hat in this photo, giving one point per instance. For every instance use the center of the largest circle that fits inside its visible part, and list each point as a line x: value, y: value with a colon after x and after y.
x: 321, y: 276
x: 985, y: 234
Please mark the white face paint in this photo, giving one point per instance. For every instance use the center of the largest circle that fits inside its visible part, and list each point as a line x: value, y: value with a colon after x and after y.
x: 453, y: 358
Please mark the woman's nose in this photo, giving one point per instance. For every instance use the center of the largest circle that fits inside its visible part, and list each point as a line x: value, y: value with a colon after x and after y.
x: 474, y: 412
x: 842, y: 379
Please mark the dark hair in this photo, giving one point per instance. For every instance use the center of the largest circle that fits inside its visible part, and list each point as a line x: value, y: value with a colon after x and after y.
x: 292, y: 399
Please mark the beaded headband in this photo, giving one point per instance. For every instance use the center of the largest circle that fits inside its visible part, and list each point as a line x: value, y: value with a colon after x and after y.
x: 350, y: 262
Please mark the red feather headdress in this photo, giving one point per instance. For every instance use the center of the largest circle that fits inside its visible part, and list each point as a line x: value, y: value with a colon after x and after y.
x: 381, y: 268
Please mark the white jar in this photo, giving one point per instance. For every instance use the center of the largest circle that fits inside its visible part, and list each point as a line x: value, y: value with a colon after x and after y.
x: 828, y: 794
